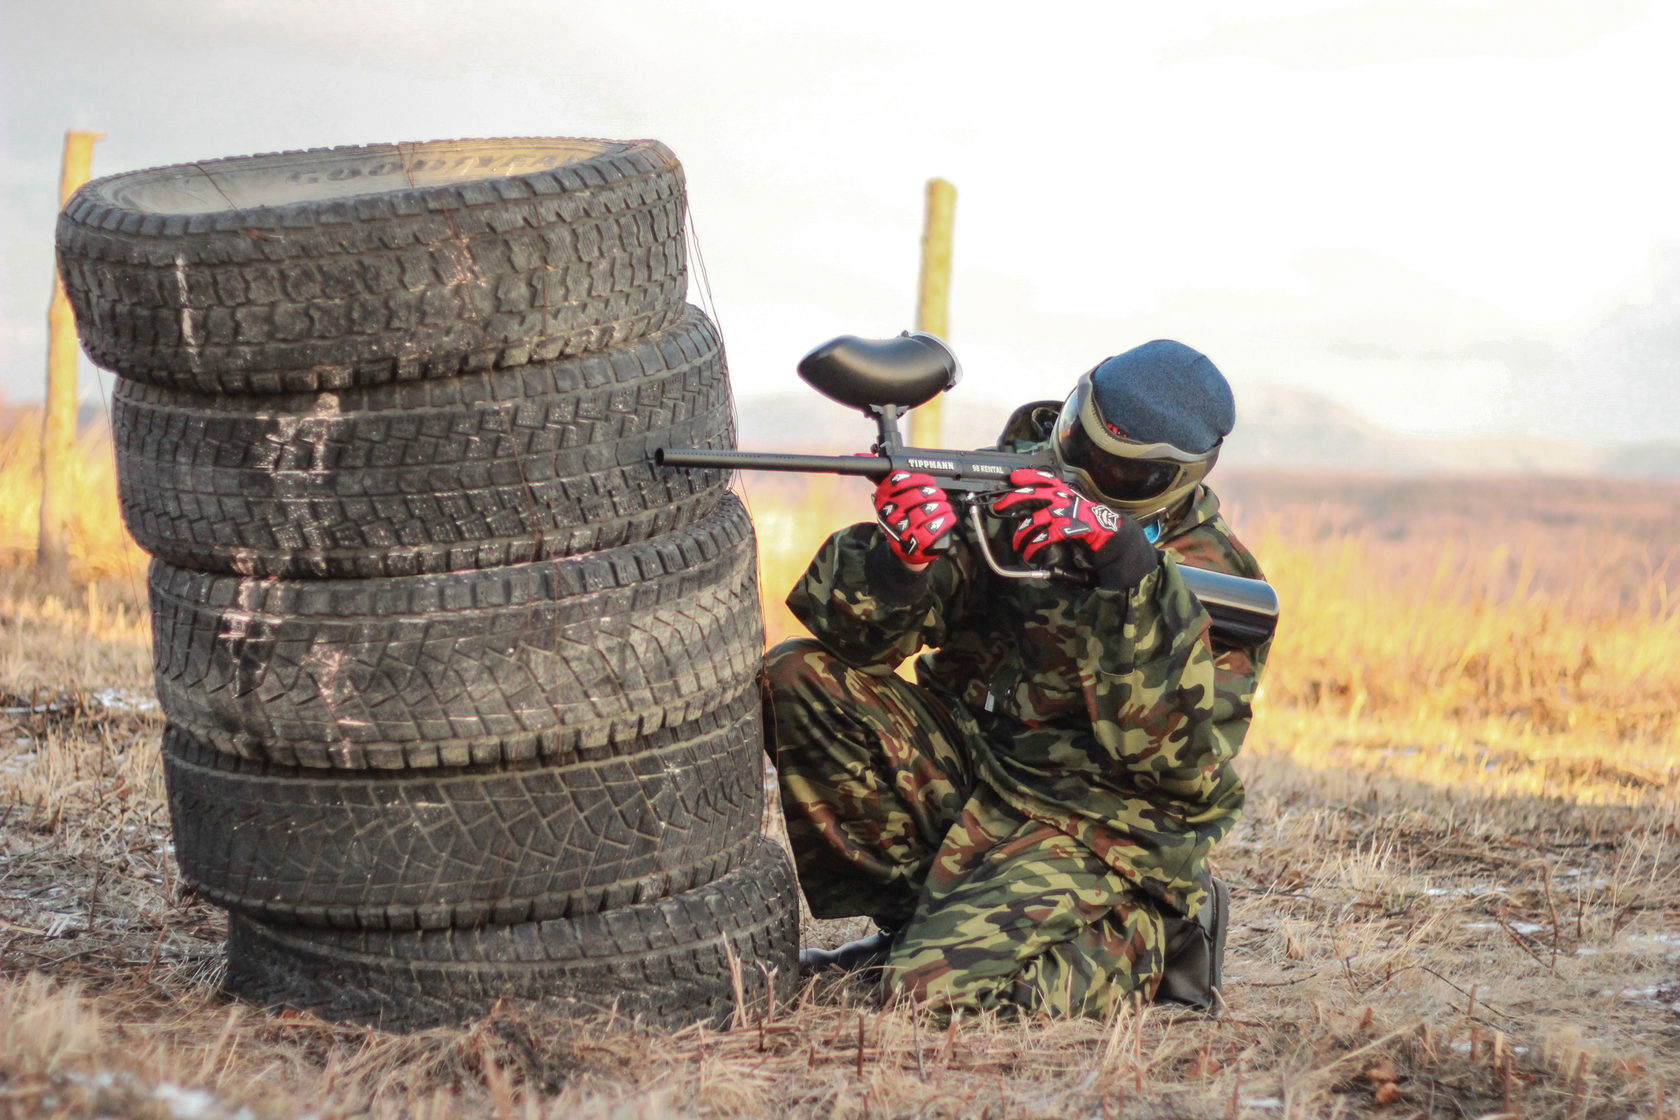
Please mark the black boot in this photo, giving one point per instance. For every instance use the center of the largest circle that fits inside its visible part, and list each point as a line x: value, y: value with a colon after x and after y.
x: 853, y: 956
x: 1195, y: 964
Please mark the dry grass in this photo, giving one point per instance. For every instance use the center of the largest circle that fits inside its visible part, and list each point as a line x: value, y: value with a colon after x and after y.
x: 1457, y: 892
x: 100, y: 548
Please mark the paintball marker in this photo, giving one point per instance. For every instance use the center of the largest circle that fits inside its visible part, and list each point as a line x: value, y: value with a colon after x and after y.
x: 884, y: 379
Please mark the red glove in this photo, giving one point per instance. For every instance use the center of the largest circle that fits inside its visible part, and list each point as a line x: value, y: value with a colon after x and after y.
x: 916, y: 515
x: 1051, y: 512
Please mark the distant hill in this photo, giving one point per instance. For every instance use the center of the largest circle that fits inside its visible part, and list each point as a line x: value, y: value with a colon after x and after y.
x: 1277, y: 427
x: 1283, y: 427
x: 1644, y: 460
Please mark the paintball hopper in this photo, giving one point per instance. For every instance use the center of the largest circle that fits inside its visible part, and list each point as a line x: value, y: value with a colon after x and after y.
x: 869, y: 374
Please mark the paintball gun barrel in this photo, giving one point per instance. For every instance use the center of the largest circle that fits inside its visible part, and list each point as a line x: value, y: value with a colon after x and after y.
x: 885, y: 378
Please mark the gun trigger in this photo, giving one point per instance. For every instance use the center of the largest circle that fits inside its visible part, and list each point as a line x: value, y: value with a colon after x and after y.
x: 1073, y: 575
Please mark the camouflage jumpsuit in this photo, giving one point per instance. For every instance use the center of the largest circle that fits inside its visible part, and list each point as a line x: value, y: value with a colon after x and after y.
x: 1030, y: 810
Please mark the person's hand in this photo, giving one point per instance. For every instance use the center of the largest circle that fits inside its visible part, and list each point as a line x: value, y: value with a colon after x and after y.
x: 916, y: 515
x: 1052, y: 513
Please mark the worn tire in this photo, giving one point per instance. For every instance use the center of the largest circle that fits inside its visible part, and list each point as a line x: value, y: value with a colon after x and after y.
x: 581, y: 654
x: 476, y: 471
x: 434, y: 848
x: 323, y: 269
x: 667, y: 962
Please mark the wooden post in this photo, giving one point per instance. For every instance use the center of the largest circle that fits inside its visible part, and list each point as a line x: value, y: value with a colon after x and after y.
x: 933, y: 299
x: 58, y: 425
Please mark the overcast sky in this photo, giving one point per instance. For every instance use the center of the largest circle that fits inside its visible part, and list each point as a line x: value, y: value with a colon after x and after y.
x: 1449, y: 215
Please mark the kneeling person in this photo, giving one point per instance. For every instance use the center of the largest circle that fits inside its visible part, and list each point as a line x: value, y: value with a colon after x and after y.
x: 1029, y: 822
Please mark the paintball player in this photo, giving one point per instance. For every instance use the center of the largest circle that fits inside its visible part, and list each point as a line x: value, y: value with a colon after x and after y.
x: 1029, y: 822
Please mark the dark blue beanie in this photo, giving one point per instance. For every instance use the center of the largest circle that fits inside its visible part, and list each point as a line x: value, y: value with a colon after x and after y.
x: 1165, y: 392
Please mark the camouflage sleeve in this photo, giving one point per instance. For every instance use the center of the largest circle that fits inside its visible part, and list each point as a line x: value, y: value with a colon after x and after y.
x: 869, y: 609
x: 1152, y: 693
x: 1237, y: 668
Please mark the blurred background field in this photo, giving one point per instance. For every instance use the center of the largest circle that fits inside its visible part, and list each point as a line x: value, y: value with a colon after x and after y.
x: 1456, y: 888
x: 100, y: 548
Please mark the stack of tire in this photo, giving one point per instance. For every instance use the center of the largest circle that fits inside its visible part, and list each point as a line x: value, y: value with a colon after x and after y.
x: 460, y: 686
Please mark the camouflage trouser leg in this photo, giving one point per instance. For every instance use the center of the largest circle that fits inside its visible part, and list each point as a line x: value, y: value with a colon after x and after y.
x: 872, y: 775
x: 886, y: 819
x: 1017, y: 914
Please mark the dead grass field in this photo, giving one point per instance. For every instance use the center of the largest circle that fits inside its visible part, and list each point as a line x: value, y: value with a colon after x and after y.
x: 1456, y: 888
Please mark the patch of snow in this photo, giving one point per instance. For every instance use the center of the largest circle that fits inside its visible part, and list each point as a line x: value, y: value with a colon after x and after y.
x: 124, y: 700
x: 115, y: 699
x: 1653, y: 938
x: 183, y: 1103
x: 1659, y: 995
x: 1520, y: 927
x: 187, y: 1104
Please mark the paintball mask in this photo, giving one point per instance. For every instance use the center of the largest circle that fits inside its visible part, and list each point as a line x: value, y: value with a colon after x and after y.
x: 1140, y: 479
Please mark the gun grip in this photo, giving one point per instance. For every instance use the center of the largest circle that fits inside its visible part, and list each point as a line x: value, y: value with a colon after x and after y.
x: 1062, y: 556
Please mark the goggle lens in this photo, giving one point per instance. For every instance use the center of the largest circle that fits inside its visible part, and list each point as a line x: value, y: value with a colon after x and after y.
x: 1124, y: 480
x: 1119, y: 478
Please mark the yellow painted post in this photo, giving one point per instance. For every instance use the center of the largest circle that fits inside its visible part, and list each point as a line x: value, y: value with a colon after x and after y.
x: 933, y: 299
x: 58, y: 425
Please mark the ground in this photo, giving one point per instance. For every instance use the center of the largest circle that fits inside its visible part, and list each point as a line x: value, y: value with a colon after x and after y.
x: 1457, y: 895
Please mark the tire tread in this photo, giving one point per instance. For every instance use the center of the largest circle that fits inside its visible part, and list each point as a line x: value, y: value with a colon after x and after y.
x: 666, y: 962
x: 468, y: 846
